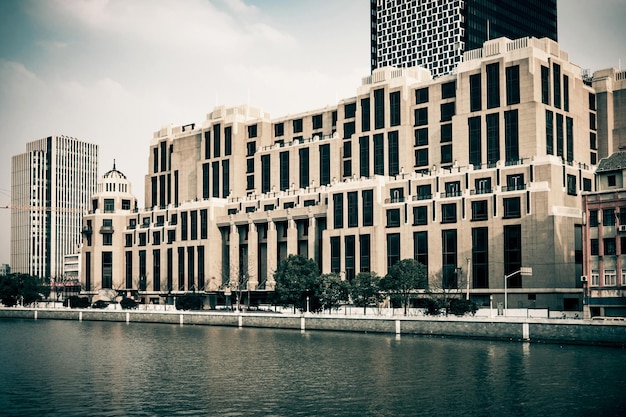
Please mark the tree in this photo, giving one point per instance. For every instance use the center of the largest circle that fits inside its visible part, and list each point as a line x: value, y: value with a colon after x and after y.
x: 27, y: 288
x: 365, y: 290
x: 404, y: 277
x: 332, y: 290
x: 296, y: 279
x: 445, y: 293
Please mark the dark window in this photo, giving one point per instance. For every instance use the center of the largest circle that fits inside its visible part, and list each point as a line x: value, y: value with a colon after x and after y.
x: 421, y: 157
x: 448, y: 90
x: 453, y: 189
x: 348, y: 130
x: 349, y: 259
x: 317, y: 121
x: 611, y: 180
x: 228, y: 139
x: 556, y: 79
x: 353, y: 209
x: 448, y: 213
x: 217, y: 140
x: 265, y: 173
x: 350, y: 110
x: 446, y: 133
x: 368, y: 207
x: 474, y: 125
x: 569, y: 137
x: 304, y: 167
x: 215, y: 168
x: 129, y: 269
x: 479, y: 210
x: 394, y: 156
x: 364, y: 243
x: 379, y: 109
x: 420, y: 247
x: 225, y: 178
x: 193, y: 217
x: 480, y: 257
x: 449, y: 258
x: 549, y: 132
x: 608, y: 217
x: 128, y: 240
x: 393, y: 218
x: 183, y: 225
x: 393, y: 249
x: 511, y: 136
x: 379, y: 155
x: 446, y: 154
x: 512, y: 85
x: 324, y: 164
x: 338, y: 211
x: 107, y: 269
x: 475, y: 92
x: 493, y: 138
x: 512, y: 208
x: 515, y: 182
x: 421, y: 95
x: 365, y: 114
x: 297, y: 125
x: 421, y: 116
x: 513, y: 254
x: 609, y: 246
x: 571, y: 185
x: 545, y: 85
x: 364, y: 156
x: 594, y: 247
x: 394, y: 108
x: 347, y: 168
x: 447, y: 111
x: 279, y: 129
x: 207, y: 144
x: 250, y: 148
x: 203, y: 224
x: 284, y: 170
x: 109, y: 205
x: 483, y: 185
x: 586, y: 184
x: 420, y: 215
x: 421, y: 137
x: 565, y: 93
x: 593, y: 141
x: 559, y: 134
x: 125, y: 204
x: 249, y: 165
x: 592, y: 121
x: 335, y: 254
x: 592, y: 101
x: 424, y: 192
x: 493, y: 85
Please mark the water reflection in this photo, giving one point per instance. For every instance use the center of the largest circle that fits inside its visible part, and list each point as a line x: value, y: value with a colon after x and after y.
x: 114, y: 369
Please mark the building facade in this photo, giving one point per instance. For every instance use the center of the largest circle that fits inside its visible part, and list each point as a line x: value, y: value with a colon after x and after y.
x: 5, y: 269
x: 51, y: 187
x: 474, y: 174
x: 435, y: 34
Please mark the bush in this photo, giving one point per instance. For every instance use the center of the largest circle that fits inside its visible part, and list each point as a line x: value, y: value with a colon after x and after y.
x: 190, y: 302
x: 100, y: 304
x: 75, y: 301
x: 460, y: 307
x: 128, y: 304
x: 432, y: 307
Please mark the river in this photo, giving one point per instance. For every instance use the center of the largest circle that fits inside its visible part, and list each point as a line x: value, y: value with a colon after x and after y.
x: 69, y: 368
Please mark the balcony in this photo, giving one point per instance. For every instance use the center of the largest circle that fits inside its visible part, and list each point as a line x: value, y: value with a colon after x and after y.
x: 513, y: 187
x: 87, y: 230
x: 106, y: 230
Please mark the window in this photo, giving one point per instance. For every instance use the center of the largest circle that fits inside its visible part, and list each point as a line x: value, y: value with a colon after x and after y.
x: 335, y: 254
x: 216, y: 141
x: 215, y: 168
x: 279, y: 129
x: 592, y: 121
x: 193, y: 220
x: 225, y: 178
x: 420, y: 215
x: 446, y: 154
x: 545, y: 85
x: 594, y: 247
x: 125, y: 204
x: 556, y: 79
x: 347, y: 168
x: 324, y: 164
x: 353, y: 209
x: 592, y: 101
x: 297, y: 125
x: 228, y: 138
x: 480, y: 257
x: 611, y: 180
x: 609, y: 246
x: 394, y: 156
x: 448, y: 213
x: 364, y: 156
x: 421, y: 95
x: 475, y: 92
x: 348, y: 130
x: 379, y: 155
x: 512, y: 85
x: 284, y: 170
x: 493, y: 85
x: 109, y: 205
x: 511, y: 136
x: 449, y: 258
x: 424, y: 192
x: 265, y: 173
x: 379, y: 109
x: 393, y: 218
x: 515, y: 182
x: 349, y: 259
x: 565, y: 93
x: 368, y: 206
x: 421, y: 157
x: 128, y: 240
x: 447, y: 111
x: 421, y: 116
x: 571, y: 184
x: 446, y: 133
x: 420, y: 247
x: 350, y: 110
x: 107, y: 239
x: 448, y: 90
x: 203, y: 224
x: 479, y: 210
x: 569, y: 138
x: 393, y: 249
x: 365, y: 114
x: 608, y: 217
x: 475, y: 157
x: 338, y: 211
x: 250, y: 148
x: 394, y: 108
x: 421, y: 137
x: 593, y: 141
x: 559, y: 134
x: 249, y: 165
x: 595, y: 277
x: 107, y: 269
x: 549, y: 132
x: 317, y: 121
x: 513, y: 253
x: 483, y: 185
x: 364, y: 243
x: 453, y: 189
x: 610, y: 278
x: 493, y: 138
x: 586, y: 184
x: 512, y: 208
x: 303, y: 156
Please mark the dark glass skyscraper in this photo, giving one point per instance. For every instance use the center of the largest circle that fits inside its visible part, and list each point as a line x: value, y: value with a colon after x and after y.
x: 435, y: 33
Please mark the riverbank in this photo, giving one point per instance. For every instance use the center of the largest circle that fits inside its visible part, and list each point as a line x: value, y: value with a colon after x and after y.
x: 536, y: 330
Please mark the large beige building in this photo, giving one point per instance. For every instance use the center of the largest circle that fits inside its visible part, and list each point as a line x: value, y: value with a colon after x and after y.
x: 475, y: 174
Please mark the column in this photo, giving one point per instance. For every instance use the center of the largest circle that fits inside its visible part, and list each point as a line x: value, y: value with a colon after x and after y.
x: 312, y: 241
x: 272, y: 255
x: 292, y: 237
x: 234, y: 256
x: 253, y: 244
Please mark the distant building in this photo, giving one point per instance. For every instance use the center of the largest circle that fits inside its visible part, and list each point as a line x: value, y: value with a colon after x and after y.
x: 475, y: 174
x: 5, y: 269
x: 71, y: 267
x: 604, y: 248
x: 435, y: 34
x: 51, y: 186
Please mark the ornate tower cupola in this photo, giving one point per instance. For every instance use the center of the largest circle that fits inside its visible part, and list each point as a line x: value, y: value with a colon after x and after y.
x: 113, y: 193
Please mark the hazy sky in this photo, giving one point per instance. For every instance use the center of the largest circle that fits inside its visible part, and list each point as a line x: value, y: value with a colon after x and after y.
x: 112, y: 72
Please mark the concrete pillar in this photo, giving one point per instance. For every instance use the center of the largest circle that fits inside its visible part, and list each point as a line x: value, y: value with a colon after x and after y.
x: 253, y: 244
x: 292, y: 237
x: 272, y: 255
x: 312, y: 241
x: 234, y: 256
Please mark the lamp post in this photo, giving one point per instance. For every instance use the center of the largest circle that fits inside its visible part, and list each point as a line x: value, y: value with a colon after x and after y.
x: 524, y: 271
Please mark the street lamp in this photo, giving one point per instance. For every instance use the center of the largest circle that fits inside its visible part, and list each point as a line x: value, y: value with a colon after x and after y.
x: 524, y: 271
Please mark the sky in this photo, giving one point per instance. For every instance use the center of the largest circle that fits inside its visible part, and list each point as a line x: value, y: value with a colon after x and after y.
x: 112, y: 72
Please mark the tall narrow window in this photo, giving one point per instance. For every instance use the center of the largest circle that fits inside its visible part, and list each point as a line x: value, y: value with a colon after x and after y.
x: 107, y: 269
x: 129, y: 270
x: 475, y: 92
x: 349, y: 258
x: 420, y: 247
x: 394, y: 156
x: 449, y: 259
x: 379, y: 155
x: 393, y: 249
x: 565, y: 93
x: 365, y: 114
x: 353, y: 209
x: 215, y: 168
x: 368, y: 207
x: 156, y: 270
x: 216, y: 141
x: 394, y: 108
x: 475, y: 157
x: 379, y: 108
x: 549, y: 132
x: 337, y: 211
x: 513, y: 254
x: 559, y: 134
x: 324, y: 164
x: 266, y: 170
x: 480, y: 257
x: 304, y: 167
x: 512, y: 85
x: 225, y: 178
x: 556, y: 82
x: 545, y: 85
x: 335, y: 254
x: 493, y: 85
x: 228, y: 138
x: 511, y: 136
x: 364, y: 156
x: 364, y: 244
x: 284, y: 170
x: 569, y: 135
x: 493, y: 138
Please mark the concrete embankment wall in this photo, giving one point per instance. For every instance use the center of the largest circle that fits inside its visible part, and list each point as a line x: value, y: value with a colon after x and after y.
x: 589, y: 332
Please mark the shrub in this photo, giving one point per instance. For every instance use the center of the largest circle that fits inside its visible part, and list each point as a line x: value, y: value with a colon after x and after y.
x: 190, y: 302
x: 128, y: 304
x: 460, y: 307
x: 100, y: 304
x: 432, y: 307
x: 75, y: 301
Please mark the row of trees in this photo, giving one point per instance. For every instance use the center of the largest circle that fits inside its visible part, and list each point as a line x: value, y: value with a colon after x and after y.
x: 299, y: 284
x: 22, y: 289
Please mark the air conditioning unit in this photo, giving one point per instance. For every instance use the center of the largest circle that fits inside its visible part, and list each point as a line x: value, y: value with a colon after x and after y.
x: 622, y: 228
x: 583, y: 278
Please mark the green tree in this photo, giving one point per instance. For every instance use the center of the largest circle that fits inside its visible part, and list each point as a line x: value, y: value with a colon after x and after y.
x: 296, y: 279
x: 404, y: 277
x: 27, y: 288
x: 365, y: 290
x: 332, y: 290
